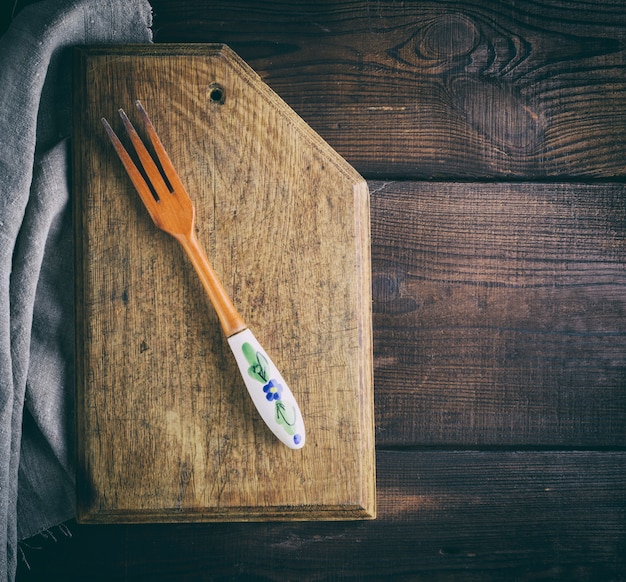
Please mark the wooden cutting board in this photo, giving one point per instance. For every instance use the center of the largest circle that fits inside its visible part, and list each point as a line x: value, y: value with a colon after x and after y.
x: 166, y: 429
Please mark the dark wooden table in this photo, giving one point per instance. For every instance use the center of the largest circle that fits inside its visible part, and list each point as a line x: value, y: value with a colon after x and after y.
x: 493, y: 136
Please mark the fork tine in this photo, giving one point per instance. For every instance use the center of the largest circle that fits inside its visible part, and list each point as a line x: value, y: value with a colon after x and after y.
x: 144, y: 156
x: 134, y: 174
x: 166, y: 163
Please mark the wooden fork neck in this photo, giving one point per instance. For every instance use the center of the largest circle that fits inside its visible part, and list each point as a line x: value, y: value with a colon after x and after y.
x: 230, y: 319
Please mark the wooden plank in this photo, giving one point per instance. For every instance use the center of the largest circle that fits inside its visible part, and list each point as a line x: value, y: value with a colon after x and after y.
x: 499, y: 313
x: 443, y: 516
x: 166, y: 428
x: 447, y: 89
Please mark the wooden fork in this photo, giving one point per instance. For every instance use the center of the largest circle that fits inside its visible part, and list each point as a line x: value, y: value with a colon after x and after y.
x: 173, y: 212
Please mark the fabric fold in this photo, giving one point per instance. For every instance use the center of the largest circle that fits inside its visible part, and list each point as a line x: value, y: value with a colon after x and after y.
x: 36, y: 256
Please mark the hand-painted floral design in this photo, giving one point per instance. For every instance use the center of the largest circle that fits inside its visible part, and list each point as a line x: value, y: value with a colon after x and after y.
x: 285, y: 419
x: 258, y: 363
x: 273, y: 390
x: 260, y: 370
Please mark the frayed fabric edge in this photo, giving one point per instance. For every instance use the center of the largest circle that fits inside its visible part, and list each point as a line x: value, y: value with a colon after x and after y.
x: 53, y: 533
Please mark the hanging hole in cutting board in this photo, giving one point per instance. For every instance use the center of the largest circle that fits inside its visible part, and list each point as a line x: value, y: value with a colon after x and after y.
x: 217, y: 94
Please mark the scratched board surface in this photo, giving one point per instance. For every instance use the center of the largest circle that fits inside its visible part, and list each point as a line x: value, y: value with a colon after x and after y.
x: 167, y: 431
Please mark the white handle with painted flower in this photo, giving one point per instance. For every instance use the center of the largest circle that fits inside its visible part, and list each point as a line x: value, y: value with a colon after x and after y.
x: 269, y: 391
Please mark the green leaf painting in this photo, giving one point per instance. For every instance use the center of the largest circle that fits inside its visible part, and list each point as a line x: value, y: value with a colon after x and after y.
x: 260, y: 370
x: 287, y: 420
x: 258, y: 363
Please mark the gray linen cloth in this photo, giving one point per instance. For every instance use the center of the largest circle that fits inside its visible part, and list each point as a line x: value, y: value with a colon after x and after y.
x: 36, y: 257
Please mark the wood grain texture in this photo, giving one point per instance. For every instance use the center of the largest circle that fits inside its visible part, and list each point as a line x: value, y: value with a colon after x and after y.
x: 529, y: 359
x: 166, y: 428
x: 446, y: 89
x: 499, y: 314
x: 445, y: 516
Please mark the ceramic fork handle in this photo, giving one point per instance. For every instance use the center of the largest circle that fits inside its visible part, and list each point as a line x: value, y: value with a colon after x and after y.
x: 268, y: 390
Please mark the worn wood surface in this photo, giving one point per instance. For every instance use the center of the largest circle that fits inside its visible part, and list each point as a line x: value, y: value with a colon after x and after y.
x: 501, y: 455
x: 480, y: 88
x: 445, y: 516
x: 166, y: 428
x: 499, y: 313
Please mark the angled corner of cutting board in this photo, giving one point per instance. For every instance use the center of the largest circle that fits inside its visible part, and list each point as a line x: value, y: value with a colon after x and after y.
x: 166, y: 430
